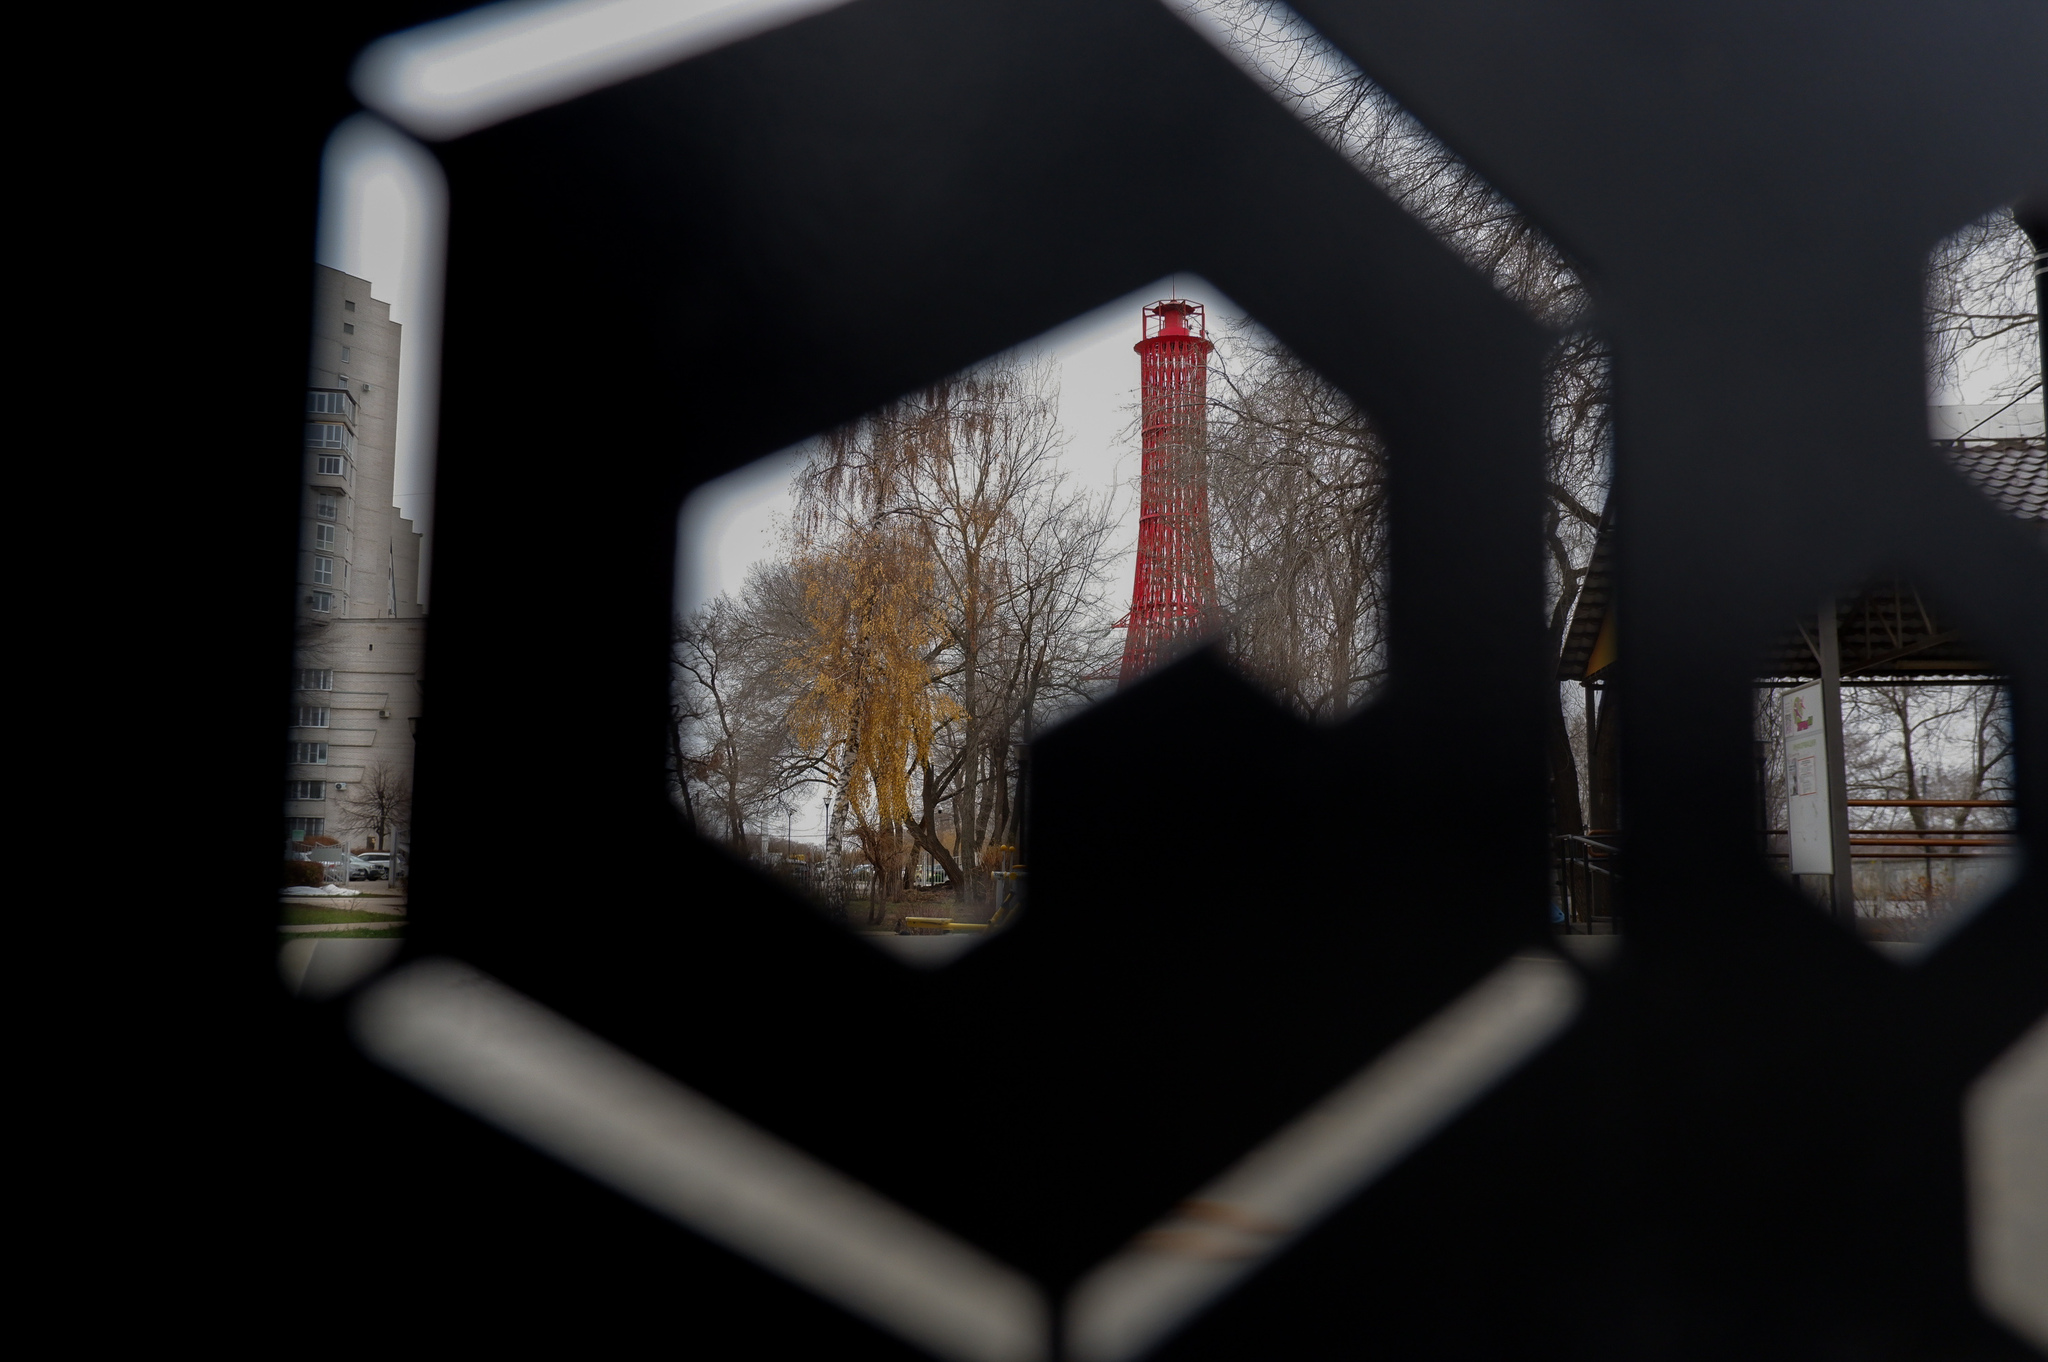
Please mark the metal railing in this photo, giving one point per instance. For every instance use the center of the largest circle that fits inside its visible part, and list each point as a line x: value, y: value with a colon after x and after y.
x: 1590, y: 865
x: 1933, y: 843
x: 1589, y: 879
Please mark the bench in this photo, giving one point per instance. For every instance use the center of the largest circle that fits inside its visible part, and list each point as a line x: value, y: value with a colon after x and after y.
x: 936, y: 926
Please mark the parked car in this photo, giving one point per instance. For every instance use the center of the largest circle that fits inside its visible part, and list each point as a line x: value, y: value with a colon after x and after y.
x: 385, y: 860
x: 362, y: 868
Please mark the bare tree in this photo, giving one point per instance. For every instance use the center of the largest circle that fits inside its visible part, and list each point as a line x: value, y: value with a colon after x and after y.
x: 1928, y: 742
x: 1982, y: 321
x: 1297, y: 480
x: 377, y: 805
x: 1577, y: 474
x: 722, y: 737
x: 1361, y: 121
x: 1940, y: 742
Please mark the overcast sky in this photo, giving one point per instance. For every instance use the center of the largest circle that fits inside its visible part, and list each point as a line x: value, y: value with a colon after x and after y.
x: 731, y: 523
x: 384, y: 218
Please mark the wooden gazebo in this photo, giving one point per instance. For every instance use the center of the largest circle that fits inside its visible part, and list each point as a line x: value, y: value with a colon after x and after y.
x: 1889, y: 635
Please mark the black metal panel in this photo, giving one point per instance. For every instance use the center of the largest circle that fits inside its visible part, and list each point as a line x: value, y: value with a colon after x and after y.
x: 1175, y: 1025
x: 1889, y: 631
x: 710, y: 262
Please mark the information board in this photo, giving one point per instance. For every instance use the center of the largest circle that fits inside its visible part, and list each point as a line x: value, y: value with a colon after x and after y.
x: 1806, y: 783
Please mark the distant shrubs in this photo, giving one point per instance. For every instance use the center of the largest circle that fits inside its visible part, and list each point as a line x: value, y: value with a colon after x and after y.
x: 307, y: 874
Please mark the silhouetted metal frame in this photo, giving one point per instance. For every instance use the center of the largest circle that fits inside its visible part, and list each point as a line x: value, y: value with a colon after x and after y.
x: 1748, y: 1145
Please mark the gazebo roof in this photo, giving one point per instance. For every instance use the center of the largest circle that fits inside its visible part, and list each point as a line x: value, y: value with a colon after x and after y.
x: 1890, y: 633
x: 2013, y: 473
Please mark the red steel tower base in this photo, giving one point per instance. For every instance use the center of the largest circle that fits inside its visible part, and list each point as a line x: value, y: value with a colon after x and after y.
x: 1173, y: 598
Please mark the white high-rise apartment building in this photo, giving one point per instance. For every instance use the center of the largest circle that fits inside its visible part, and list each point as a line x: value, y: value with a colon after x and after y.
x: 361, y: 617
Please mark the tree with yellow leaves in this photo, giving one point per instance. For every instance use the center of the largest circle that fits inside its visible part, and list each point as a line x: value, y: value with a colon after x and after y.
x: 966, y: 474
x: 864, y: 697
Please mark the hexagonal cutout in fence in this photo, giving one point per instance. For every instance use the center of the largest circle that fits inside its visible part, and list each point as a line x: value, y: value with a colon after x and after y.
x: 1585, y: 908
x: 360, y: 601
x: 1884, y: 743
x: 1984, y: 364
x: 871, y: 625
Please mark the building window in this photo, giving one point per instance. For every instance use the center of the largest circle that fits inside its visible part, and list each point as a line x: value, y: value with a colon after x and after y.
x: 328, y: 509
x: 348, y: 328
x: 301, y: 828
x: 331, y: 464
x: 316, y: 678
x: 323, y: 536
x: 305, y: 789
x: 344, y: 354
x: 310, y: 716
x: 309, y: 753
x: 323, y: 571
x: 321, y: 600
x: 347, y: 306
x: 327, y: 435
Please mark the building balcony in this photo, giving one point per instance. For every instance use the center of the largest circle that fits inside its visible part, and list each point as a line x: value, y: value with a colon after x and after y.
x: 330, y: 435
x: 332, y: 403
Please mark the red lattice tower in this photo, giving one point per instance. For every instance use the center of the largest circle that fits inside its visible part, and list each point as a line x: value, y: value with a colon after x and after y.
x: 1173, y: 596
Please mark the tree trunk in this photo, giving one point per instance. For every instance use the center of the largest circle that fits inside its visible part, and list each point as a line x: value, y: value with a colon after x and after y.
x: 675, y: 747
x: 925, y: 837
x: 1000, y: 812
x: 1603, y: 780
x: 1568, y: 810
x: 965, y: 810
x: 884, y: 858
x: 925, y: 833
x: 1567, y: 818
x: 1903, y: 707
x: 833, y: 881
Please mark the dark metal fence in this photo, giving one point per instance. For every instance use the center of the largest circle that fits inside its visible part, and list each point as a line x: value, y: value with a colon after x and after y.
x: 1746, y: 1143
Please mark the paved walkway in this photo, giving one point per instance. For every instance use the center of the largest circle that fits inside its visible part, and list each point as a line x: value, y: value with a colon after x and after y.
x: 928, y: 951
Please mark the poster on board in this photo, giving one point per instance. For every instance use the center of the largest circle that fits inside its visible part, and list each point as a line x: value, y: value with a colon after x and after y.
x: 1806, y: 783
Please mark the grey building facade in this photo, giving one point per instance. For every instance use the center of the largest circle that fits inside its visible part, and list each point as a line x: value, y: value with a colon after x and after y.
x: 359, y: 596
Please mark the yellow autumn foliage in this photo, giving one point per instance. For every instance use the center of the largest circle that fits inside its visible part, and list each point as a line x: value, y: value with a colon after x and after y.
x: 867, y: 697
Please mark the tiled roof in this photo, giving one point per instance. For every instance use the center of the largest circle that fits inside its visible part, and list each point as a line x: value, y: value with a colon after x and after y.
x: 2011, y: 473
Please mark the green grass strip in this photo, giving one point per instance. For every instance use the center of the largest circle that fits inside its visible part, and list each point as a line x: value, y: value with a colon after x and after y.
x: 306, y: 915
